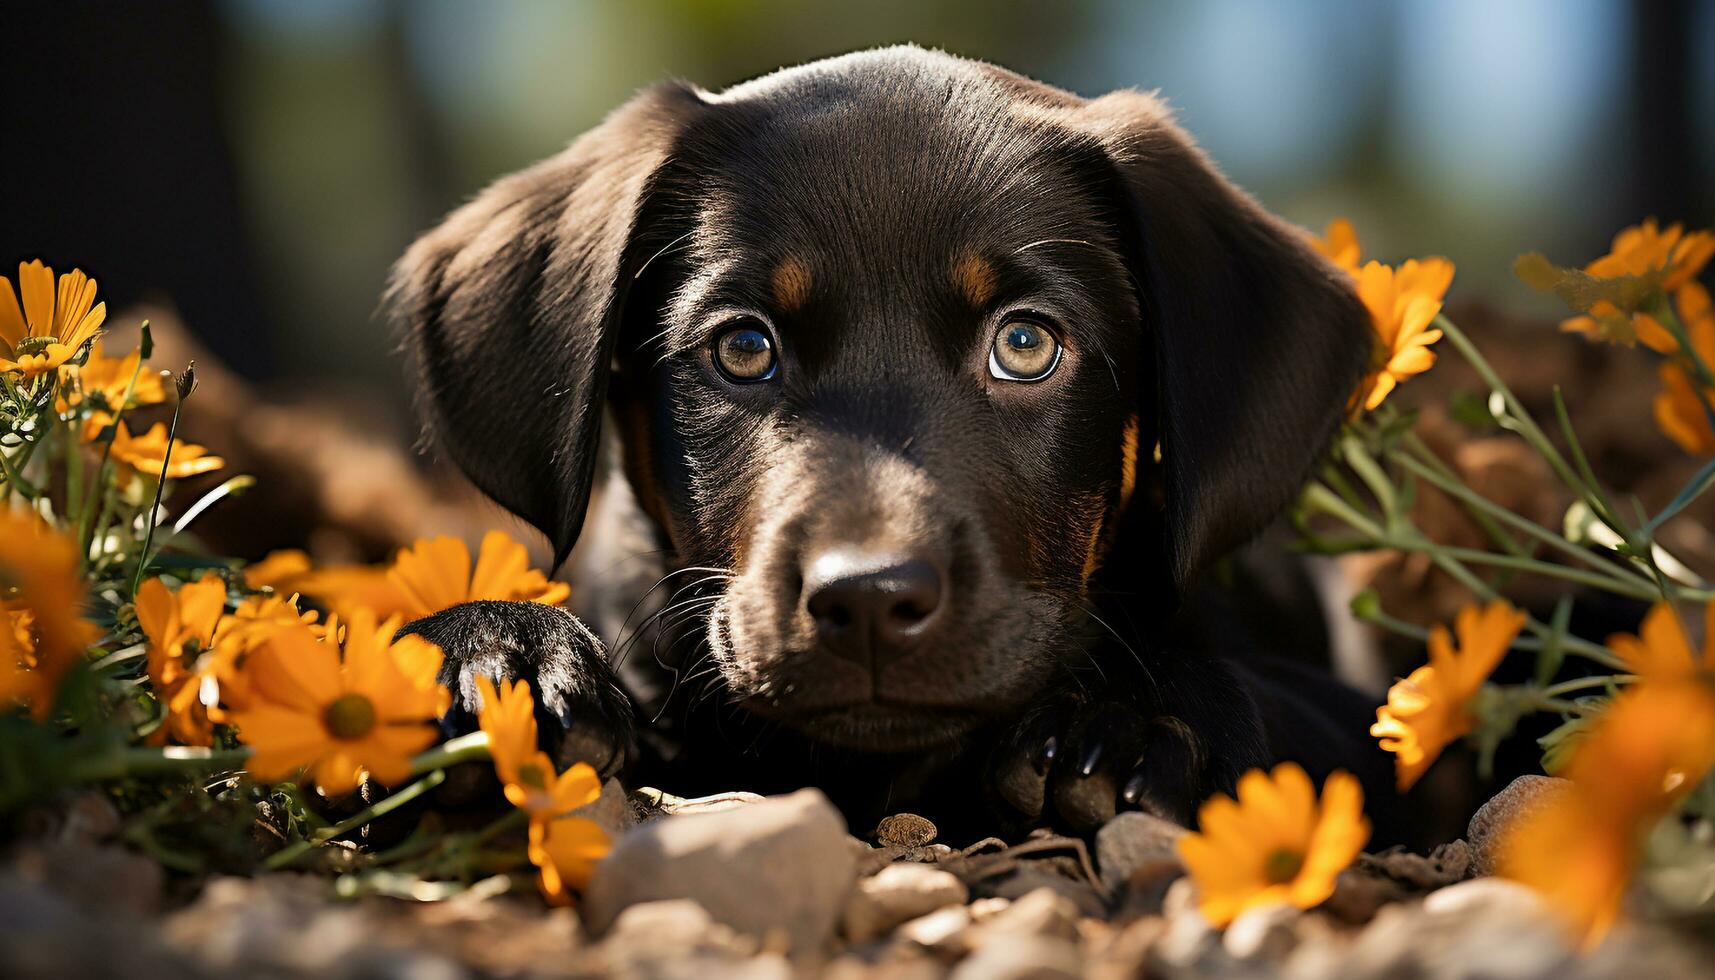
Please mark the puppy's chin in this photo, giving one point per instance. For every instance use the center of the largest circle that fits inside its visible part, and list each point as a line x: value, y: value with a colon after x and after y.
x: 876, y: 727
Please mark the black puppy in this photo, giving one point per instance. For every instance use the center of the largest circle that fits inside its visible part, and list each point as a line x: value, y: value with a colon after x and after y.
x: 937, y: 386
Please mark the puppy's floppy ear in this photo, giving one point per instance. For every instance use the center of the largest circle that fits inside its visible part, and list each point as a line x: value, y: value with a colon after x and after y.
x: 510, y: 309
x: 1257, y: 343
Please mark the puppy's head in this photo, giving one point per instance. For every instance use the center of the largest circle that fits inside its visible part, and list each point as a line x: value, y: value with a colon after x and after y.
x: 927, y: 355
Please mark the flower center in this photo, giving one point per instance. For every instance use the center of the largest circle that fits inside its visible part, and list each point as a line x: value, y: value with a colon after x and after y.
x: 1282, y: 866
x: 349, y: 717
x: 530, y: 774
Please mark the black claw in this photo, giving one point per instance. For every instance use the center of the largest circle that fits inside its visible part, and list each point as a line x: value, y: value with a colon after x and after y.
x: 1045, y: 755
x: 1092, y: 758
x: 1134, y: 788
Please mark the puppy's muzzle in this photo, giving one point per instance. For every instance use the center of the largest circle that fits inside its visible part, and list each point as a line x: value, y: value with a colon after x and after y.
x: 872, y: 608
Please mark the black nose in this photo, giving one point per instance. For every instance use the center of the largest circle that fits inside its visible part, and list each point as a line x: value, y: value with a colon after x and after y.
x: 873, y: 608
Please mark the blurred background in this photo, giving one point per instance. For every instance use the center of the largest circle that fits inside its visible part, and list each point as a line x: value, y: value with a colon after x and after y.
x: 257, y: 165
x: 261, y: 162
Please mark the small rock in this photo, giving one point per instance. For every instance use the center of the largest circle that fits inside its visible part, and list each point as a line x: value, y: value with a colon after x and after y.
x: 782, y: 864
x: 1482, y: 896
x: 677, y: 924
x: 905, y: 830
x: 897, y: 893
x: 648, y: 803
x: 1146, y: 889
x: 1028, y: 877
x: 611, y: 811
x: 1359, y: 895
x: 97, y: 876
x: 1180, y: 900
x: 1021, y: 957
x: 984, y: 909
x: 1522, y: 795
x: 1043, y: 912
x: 1129, y: 841
x: 938, y: 930
x: 1448, y: 864
x: 1265, y: 933
x: 1123, y: 954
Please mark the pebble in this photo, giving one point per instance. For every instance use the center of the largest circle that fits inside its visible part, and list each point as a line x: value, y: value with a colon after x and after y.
x: 1522, y: 795
x: 1132, y: 840
x: 896, y: 894
x: 938, y: 930
x: 1021, y: 957
x: 611, y: 811
x: 1265, y: 933
x: 1042, y: 912
x: 906, y: 830
x: 782, y: 864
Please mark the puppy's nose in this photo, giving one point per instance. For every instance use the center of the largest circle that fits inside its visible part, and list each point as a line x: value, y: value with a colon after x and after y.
x: 873, y: 607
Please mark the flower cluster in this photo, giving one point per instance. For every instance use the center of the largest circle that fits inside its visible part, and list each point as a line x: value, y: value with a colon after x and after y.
x: 1647, y: 750
x: 1645, y: 290
x: 1637, y: 735
x: 126, y: 654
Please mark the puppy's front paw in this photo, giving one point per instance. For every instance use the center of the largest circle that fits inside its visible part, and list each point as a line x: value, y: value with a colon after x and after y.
x: 581, y: 712
x: 1078, y: 763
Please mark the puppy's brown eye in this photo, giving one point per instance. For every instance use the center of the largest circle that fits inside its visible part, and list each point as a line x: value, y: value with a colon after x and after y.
x: 1023, y: 350
x: 745, y: 353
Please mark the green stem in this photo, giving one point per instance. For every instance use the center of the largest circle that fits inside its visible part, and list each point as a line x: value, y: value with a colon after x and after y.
x: 1536, y: 567
x: 1625, y: 580
x: 465, y: 748
x: 1523, y: 424
x: 1495, y: 532
x: 160, y: 487
x: 119, y: 763
x: 284, y: 857
x: 1586, y: 683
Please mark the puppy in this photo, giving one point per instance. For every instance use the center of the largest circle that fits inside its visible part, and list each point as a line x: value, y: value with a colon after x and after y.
x: 938, y: 387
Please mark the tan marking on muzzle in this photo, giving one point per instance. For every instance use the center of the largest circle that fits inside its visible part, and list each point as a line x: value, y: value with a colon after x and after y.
x: 974, y: 278
x: 791, y: 284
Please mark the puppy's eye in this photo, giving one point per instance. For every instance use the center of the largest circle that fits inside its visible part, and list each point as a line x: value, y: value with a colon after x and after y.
x: 745, y: 352
x: 1023, y: 350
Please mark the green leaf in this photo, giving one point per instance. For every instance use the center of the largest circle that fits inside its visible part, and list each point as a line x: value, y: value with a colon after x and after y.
x: 1553, y: 652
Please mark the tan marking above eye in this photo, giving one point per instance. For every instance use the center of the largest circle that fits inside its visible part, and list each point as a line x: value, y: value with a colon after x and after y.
x: 791, y: 283
x: 974, y: 278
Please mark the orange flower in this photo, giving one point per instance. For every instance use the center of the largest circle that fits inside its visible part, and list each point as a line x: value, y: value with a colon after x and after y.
x: 565, y: 852
x: 180, y: 627
x: 1660, y: 651
x: 431, y: 575
x: 1276, y: 844
x: 508, y: 715
x: 1647, y: 251
x: 368, y: 711
x: 564, y: 849
x: 277, y: 570
x: 42, y: 634
x: 239, y: 633
x: 1339, y: 245
x: 1679, y: 407
x: 102, y: 382
x: 1402, y: 304
x: 1666, y: 259
x: 1652, y: 745
x: 48, y: 330
x: 1428, y: 710
x: 146, y: 454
